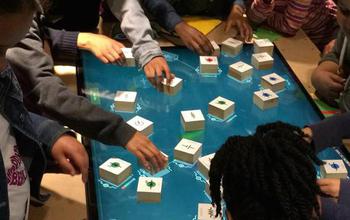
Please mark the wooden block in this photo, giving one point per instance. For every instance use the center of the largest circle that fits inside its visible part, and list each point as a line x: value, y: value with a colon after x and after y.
x: 216, y: 48
x: 207, y: 212
x: 265, y: 99
x: 188, y: 151
x: 262, y: 61
x: 231, y: 46
x: 125, y: 101
x: 173, y: 87
x: 142, y: 125
x: 263, y: 45
x: 149, y: 189
x: 204, y: 164
x: 221, y: 107
x: 129, y: 57
x: 192, y: 120
x: 115, y: 170
x: 209, y: 64
x: 273, y: 81
x: 334, y: 169
x: 346, y: 143
x: 241, y: 70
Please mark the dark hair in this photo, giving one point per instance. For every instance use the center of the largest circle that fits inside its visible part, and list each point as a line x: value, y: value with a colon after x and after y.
x: 269, y: 175
x: 15, y: 6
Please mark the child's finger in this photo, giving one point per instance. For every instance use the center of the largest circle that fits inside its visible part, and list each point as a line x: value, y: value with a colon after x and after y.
x: 66, y: 166
x: 338, y: 79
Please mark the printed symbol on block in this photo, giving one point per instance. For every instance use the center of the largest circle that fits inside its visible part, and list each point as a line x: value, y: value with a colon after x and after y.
x: 193, y: 115
x: 266, y: 94
x: 211, y: 212
x: 114, y: 164
x: 187, y: 146
x: 150, y: 184
x: 273, y: 78
x: 139, y: 123
x: 221, y: 102
x: 126, y: 95
x: 209, y: 59
x: 334, y: 165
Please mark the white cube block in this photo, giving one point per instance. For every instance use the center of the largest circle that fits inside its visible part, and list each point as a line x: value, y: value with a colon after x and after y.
x: 149, y: 189
x: 221, y: 107
x: 334, y: 169
x: 207, y: 212
x: 216, y: 48
x: 231, y: 46
x: 209, y: 64
x: 273, y: 81
x: 115, y: 170
x: 188, y: 151
x: 262, y: 61
x: 129, y: 57
x: 125, y: 101
x: 192, y: 120
x: 265, y: 99
x: 204, y: 164
x: 173, y: 87
x: 346, y: 143
x: 263, y: 45
x: 142, y: 125
x: 240, y: 70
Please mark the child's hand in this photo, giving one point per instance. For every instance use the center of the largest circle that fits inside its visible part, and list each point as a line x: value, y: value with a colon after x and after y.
x: 71, y: 156
x: 329, y: 85
x: 146, y: 152
x: 236, y: 19
x: 330, y: 187
x: 194, y: 39
x: 157, y: 67
x: 104, y: 48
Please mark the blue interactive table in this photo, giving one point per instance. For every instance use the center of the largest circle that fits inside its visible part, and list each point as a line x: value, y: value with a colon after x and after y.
x: 183, y: 186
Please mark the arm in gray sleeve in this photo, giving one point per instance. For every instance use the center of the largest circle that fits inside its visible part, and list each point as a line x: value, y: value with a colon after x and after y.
x: 137, y: 28
x: 46, y: 91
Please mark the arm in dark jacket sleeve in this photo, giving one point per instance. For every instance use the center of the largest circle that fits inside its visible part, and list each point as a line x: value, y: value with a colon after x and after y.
x: 63, y: 44
x: 331, y: 131
x: 164, y: 12
x: 55, y: 100
x: 48, y: 131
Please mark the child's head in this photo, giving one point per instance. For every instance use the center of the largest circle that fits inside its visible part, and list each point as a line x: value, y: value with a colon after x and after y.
x: 15, y: 19
x: 343, y: 15
x: 270, y: 175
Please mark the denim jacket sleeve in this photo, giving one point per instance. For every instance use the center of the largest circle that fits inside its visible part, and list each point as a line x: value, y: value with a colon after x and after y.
x: 48, y: 131
x: 164, y: 13
x: 137, y: 28
x: 48, y: 94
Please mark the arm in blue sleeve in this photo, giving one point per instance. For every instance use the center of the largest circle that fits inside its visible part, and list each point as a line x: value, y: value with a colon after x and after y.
x: 331, y: 131
x: 337, y: 210
x: 164, y: 12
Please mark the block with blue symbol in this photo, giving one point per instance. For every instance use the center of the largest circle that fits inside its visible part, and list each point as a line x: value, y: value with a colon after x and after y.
x: 334, y: 169
x: 265, y: 99
x: 273, y: 81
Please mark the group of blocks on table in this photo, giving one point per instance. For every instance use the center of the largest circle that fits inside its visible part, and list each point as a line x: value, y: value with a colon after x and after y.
x: 149, y: 189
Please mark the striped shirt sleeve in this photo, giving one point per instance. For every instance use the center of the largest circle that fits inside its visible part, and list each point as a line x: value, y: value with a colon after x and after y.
x: 287, y: 21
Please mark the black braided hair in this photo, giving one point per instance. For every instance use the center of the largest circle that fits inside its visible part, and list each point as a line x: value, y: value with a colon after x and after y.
x: 269, y: 175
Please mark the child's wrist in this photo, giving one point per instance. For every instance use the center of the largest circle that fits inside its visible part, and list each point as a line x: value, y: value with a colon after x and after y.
x: 83, y: 41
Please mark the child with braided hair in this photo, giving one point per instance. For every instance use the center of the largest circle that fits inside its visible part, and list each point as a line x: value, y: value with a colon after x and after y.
x: 271, y: 174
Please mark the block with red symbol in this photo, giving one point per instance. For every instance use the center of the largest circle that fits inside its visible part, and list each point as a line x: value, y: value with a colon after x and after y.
x: 209, y: 64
